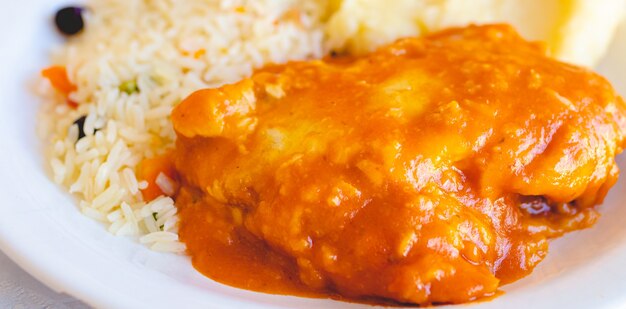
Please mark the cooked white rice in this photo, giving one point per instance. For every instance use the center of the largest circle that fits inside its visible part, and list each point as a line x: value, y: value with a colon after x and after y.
x: 169, y: 48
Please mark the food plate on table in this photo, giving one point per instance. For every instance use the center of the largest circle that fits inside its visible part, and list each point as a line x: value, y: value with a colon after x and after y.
x: 45, y: 230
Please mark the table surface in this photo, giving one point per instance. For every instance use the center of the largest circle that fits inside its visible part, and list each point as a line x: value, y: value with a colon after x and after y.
x: 19, y: 290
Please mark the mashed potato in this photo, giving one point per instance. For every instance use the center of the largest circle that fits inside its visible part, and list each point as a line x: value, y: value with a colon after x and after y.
x: 577, y: 31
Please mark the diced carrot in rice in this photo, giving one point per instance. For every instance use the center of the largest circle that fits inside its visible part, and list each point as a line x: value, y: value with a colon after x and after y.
x: 57, y: 75
x: 160, y: 174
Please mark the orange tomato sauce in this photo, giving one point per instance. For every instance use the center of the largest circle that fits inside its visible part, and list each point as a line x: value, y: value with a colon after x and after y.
x: 433, y: 170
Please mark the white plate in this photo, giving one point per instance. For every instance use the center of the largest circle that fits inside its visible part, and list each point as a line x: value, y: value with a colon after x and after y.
x: 43, y: 231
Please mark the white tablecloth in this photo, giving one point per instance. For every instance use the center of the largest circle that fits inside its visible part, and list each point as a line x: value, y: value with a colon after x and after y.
x: 19, y: 290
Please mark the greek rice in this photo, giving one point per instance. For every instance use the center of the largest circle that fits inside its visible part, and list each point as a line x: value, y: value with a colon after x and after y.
x: 132, y: 63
